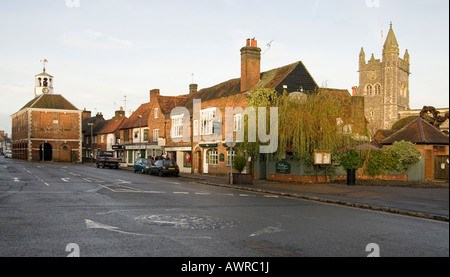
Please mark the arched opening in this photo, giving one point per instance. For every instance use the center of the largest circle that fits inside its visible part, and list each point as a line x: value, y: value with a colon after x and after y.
x: 64, y: 154
x: 45, y: 82
x: 45, y: 152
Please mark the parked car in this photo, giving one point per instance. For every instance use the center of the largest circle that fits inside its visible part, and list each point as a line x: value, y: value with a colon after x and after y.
x: 106, y: 159
x: 142, y: 165
x: 8, y: 154
x: 165, y: 167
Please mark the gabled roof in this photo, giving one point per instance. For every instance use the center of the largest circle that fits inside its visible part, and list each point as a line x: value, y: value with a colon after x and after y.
x: 167, y: 103
x: 50, y: 101
x: 134, y: 121
x: 418, y: 132
x: 111, y: 125
x: 295, y: 76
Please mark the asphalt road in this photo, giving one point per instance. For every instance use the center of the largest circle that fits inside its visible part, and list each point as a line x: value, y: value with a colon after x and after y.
x: 56, y: 210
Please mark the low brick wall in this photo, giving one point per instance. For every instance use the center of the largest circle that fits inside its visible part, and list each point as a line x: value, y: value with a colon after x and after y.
x: 322, y: 179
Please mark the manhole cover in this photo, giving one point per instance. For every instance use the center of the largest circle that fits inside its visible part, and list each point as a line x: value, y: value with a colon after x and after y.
x: 185, y: 221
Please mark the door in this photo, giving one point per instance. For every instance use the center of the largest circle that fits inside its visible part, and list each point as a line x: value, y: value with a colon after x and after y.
x: 205, y: 162
x: 262, y: 166
x: 441, y: 167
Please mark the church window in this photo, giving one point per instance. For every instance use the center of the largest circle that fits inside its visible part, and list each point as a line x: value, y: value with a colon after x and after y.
x: 377, y: 89
x: 369, y: 89
x: 45, y: 82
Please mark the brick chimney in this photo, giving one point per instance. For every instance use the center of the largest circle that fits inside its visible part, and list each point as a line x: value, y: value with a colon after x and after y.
x: 250, y: 65
x: 154, y: 92
x: 86, y: 114
x: 120, y: 113
x: 193, y: 88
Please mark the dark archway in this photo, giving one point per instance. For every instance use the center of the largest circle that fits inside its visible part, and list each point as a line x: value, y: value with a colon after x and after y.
x: 45, y: 150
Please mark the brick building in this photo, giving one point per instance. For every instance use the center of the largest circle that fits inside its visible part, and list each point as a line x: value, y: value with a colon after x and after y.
x: 204, y: 150
x: 47, y: 128
x: 90, y: 128
x: 109, y: 134
x: 432, y: 143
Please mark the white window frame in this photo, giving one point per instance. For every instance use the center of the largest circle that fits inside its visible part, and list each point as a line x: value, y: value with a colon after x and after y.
x: 156, y: 112
x: 237, y: 122
x: 155, y: 135
x: 228, y: 156
x: 207, y: 117
x: 177, y: 126
x: 195, y: 127
x: 213, y: 157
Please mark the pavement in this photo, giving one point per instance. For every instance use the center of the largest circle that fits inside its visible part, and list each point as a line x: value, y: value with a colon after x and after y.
x: 426, y: 200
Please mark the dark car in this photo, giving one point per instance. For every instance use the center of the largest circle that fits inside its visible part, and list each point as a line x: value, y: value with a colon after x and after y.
x: 142, y: 165
x: 165, y: 167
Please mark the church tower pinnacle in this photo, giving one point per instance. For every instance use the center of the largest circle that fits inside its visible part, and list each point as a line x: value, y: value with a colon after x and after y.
x: 384, y: 84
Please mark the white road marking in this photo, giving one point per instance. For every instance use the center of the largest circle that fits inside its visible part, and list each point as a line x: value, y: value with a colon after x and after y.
x: 74, y: 174
x: 181, y: 192
x: 16, y: 179
x: 202, y: 193
x: 65, y: 179
x: 87, y: 180
x: 246, y: 195
x: 271, y: 196
x: 268, y: 230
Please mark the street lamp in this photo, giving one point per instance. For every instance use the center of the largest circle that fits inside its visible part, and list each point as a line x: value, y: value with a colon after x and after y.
x: 91, y: 152
x: 140, y: 134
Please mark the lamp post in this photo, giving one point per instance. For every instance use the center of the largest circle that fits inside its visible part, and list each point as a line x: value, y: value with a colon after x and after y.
x: 91, y: 152
x: 140, y: 135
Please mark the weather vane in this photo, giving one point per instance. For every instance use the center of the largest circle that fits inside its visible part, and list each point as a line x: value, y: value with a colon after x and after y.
x: 44, y: 61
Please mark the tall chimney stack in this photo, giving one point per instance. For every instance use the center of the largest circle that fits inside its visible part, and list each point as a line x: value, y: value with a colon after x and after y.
x: 250, y: 65
x: 193, y: 88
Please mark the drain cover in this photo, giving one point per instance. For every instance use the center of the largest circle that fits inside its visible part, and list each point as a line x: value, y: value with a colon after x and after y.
x: 185, y: 221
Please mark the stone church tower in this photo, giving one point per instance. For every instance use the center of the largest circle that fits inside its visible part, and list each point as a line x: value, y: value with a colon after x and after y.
x: 384, y: 84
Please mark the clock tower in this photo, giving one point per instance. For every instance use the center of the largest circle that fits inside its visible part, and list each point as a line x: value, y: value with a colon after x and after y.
x: 43, y: 83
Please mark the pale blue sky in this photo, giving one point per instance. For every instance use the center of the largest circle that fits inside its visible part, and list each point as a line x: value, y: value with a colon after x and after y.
x: 106, y: 49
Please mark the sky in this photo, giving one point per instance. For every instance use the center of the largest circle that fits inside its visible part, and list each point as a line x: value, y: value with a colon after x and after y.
x: 102, y: 52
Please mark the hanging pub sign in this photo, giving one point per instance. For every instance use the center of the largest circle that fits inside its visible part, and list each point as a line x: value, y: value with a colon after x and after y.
x: 322, y: 157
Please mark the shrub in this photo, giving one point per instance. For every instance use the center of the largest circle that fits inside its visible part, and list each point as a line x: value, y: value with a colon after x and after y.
x: 239, y: 163
x: 379, y: 162
x: 406, y: 154
x: 351, y: 159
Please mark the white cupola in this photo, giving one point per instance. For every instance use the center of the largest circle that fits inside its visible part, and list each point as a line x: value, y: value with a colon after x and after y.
x: 43, y: 83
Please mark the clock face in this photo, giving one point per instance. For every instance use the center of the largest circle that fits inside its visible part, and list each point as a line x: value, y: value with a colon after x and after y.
x: 373, y: 75
x: 45, y: 90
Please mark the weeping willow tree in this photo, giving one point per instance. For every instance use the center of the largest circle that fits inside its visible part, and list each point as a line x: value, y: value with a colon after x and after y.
x: 318, y: 120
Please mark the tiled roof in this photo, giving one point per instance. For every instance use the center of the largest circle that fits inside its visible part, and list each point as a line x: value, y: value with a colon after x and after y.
x: 50, y: 101
x: 418, y: 132
x: 112, y: 125
x: 167, y: 103
x: 295, y: 76
x: 134, y: 121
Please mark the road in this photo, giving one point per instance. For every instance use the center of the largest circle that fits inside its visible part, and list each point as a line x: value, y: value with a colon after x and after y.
x: 56, y: 210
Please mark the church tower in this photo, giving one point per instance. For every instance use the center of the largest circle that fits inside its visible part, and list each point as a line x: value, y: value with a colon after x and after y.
x: 43, y: 83
x: 384, y: 84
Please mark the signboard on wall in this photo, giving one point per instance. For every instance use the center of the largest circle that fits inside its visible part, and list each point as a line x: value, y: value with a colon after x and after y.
x: 283, y: 167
